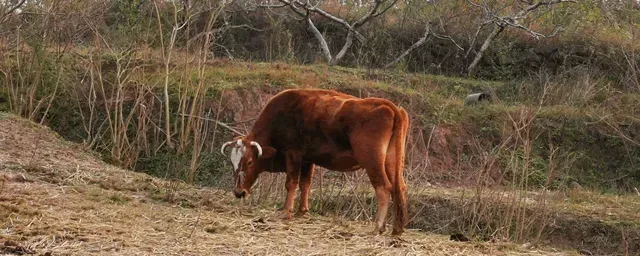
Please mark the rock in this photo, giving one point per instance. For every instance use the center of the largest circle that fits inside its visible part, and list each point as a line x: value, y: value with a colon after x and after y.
x: 575, y: 185
x: 459, y: 237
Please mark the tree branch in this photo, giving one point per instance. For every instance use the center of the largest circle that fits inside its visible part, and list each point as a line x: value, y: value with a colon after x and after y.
x: 13, y: 9
x: 427, y: 32
x: 369, y: 15
x: 487, y: 42
x: 305, y: 8
x: 513, y: 20
x: 420, y: 42
x: 345, y: 47
x: 324, y: 47
x: 329, y: 16
x: 448, y: 38
x: 385, y: 9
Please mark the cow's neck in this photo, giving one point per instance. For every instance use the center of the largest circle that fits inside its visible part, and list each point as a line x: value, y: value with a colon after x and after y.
x: 261, y: 137
x: 261, y: 132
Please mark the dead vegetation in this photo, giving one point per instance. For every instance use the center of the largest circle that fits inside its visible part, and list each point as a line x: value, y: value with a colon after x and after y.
x: 348, y: 197
x: 59, y: 199
x: 153, y: 105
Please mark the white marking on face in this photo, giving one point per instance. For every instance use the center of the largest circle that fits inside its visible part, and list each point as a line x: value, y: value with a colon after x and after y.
x: 236, y: 155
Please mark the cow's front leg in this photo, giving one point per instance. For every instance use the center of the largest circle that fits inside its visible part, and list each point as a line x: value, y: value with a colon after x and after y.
x: 293, y: 162
x: 306, y: 173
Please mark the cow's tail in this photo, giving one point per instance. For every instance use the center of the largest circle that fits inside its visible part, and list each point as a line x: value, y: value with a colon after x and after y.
x: 398, y: 193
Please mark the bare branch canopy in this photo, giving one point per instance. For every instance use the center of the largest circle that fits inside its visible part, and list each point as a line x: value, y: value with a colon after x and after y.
x: 512, y: 20
x: 304, y: 9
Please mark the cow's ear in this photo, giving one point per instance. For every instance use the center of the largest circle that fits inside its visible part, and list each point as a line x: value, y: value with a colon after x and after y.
x: 268, y: 152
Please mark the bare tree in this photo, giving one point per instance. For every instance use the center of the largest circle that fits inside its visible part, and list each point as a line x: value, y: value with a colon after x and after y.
x: 166, y: 56
x: 10, y: 6
x: 500, y: 23
x: 304, y: 9
x: 427, y: 33
x: 432, y: 23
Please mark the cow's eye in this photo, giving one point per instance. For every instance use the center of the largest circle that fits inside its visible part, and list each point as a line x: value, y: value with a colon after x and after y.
x: 250, y: 162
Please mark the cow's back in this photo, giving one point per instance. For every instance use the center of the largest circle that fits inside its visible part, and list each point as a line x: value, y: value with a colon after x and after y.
x: 315, y: 121
x: 300, y: 116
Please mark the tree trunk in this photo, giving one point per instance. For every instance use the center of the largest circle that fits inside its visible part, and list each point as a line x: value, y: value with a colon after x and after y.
x: 487, y: 42
x: 417, y: 44
x: 324, y: 47
x: 345, y: 48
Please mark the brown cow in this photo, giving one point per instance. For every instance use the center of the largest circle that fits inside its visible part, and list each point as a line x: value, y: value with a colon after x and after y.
x: 300, y: 128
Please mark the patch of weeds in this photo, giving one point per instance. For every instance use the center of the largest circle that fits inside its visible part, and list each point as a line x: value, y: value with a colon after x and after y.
x: 7, y: 208
x: 164, y: 164
x: 215, y: 228
x: 145, y: 184
x: 185, y: 203
x: 171, y: 190
x: 119, y: 198
x: 87, y: 207
x: 113, y: 184
x: 213, y: 170
x: 12, y: 247
x: 95, y: 195
x: 158, y: 196
x: 44, y: 174
x: 169, y: 193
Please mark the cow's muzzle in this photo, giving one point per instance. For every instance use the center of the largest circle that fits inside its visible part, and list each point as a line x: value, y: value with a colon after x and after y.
x: 239, y: 193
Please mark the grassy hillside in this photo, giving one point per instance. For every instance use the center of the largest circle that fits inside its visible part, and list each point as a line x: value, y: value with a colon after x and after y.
x: 551, y: 161
x: 509, y: 170
x: 588, y: 130
x: 57, y: 197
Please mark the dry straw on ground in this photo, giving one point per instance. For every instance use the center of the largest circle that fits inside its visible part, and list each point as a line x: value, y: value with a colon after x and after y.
x: 56, y: 198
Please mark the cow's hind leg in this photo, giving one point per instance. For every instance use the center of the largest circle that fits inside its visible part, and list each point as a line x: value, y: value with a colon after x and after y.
x: 383, y: 196
x: 382, y: 187
x: 306, y: 173
x: 375, y: 170
x: 370, y: 144
x: 398, y: 191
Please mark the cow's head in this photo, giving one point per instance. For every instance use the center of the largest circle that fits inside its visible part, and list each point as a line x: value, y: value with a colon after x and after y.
x: 249, y: 159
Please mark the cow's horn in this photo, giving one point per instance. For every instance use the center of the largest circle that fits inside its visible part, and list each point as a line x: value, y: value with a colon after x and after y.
x: 225, y: 145
x: 253, y: 143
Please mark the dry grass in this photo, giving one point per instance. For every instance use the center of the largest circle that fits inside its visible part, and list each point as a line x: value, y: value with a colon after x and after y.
x: 58, y: 198
x: 572, y: 202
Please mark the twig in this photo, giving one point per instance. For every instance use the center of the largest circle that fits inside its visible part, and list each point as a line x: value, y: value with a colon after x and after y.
x: 195, y: 224
x: 53, y: 97
x: 244, y: 121
x: 13, y: 9
x: 428, y: 32
x: 217, y: 122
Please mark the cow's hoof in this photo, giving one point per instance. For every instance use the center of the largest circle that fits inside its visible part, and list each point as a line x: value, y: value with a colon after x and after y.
x: 302, y: 214
x: 285, y: 215
x: 378, y: 231
x: 397, y: 232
